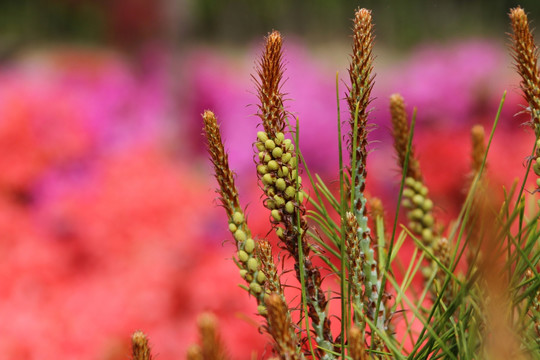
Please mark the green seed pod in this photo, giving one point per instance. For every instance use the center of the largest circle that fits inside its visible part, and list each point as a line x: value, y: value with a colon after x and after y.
x: 280, y: 137
x: 287, y: 143
x: 249, y: 277
x: 289, y: 207
x: 536, y: 169
x: 290, y: 191
x: 538, y: 161
x: 281, y: 184
x: 243, y: 256
x: 279, y: 232
x: 252, y: 264
x: 243, y: 273
x: 255, y: 288
x: 292, y: 163
x: 538, y: 144
x: 427, y: 272
x: 261, y: 278
x: 277, y: 153
x: 406, y: 203
x: 407, y: 192
x: 290, y: 147
x: 270, y: 190
x: 240, y: 236
x: 416, y: 214
x: 280, y: 173
x: 232, y: 227
x: 261, y: 155
x: 279, y: 201
x: 417, y: 199
x: 268, y: 179
x: 270, y: 204
x: 260, y: 146
x: 418, y: 186
x: 427, y: 235
x: 538, y: 182
x: 423, y: 190
x: 299, y: 180
x: 276, y: 215
x: 269, y: 144
x: 238, y: 217
x: 428, y: 220
x: 249, y: 246
x: 267, y: 157
x: 410, y: 182
x: 427, y: 205
x: 286, y: 157
x: 294, y: 173
x: 262, y: 310
x: 262, y: 169
x: 273, y: 165
x: 262, y: 136
x: 301, y: 196
x: 285, y: 170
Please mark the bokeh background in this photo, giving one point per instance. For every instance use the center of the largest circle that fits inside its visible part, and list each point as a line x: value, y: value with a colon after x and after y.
x: 108, y: 218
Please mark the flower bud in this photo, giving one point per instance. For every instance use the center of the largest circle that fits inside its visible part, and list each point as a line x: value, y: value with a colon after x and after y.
x: 273, y: 165
x: 243, y: 256
x: 249, y: 246
x: 262, y: 136
x: 239, y: 235
x: 289, y: 207
x: 252, y: 264
x: 276, y: 215
x: 238, y: 217
x: 269, y: 144
x: 277, y: 152
x: 281, y: 184
x: 280, y: 137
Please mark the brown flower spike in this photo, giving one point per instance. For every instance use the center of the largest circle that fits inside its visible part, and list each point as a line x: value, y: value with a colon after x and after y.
x: 400, y: 132
x: 280, y: 181
x: 139, y: 346
x: 270, y: 74
x: 525, y: 55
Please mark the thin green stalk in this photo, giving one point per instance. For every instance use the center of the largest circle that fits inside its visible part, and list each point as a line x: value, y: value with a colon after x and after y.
x: 343, y: 263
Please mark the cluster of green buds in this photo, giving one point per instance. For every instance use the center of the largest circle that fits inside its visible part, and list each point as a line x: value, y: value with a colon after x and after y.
x: 277, y: 170
x: 420, y: 207
x: 250, y: 267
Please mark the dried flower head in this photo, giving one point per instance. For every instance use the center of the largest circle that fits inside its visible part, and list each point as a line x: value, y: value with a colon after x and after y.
x: 525, y: 55
x: 218, y: 156
x: 211, y: 345
x: 281, y: 328
x: 400, y: 132
x: 269, y: 77
x: 139, y: 346
x: 478, y: 136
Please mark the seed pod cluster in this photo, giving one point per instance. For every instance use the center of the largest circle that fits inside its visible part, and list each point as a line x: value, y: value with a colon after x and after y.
x: 250, y: 267
x: 278, y: 173
x: 419, y: 207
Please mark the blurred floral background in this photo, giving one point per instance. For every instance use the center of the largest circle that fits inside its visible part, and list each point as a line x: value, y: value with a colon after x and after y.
x: 108, y: 218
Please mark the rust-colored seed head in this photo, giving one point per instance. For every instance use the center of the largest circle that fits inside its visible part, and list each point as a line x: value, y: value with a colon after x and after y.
x: 211, y: 346
x: 360, y: 73
x: 478, y: 147
x: 139, y: 346
x: 357, y: 347
x: 270, y: 75
x: 400, y: 132
x: 525, y: 55
x: 224, y: 175
x: 280, y: 327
